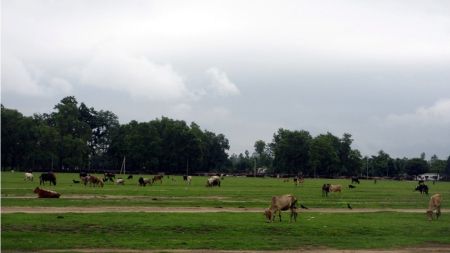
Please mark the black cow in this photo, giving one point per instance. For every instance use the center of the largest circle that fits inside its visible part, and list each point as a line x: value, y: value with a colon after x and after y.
x: 83, y: 174
x: 422, y: 188
x: 351, y: 186
x: 49, y: 176
x: 109, y: 176
x: 355, y: 180
x: 130, y: 177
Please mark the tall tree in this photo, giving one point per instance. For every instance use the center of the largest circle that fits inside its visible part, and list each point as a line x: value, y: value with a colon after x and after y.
x: 291, y: 151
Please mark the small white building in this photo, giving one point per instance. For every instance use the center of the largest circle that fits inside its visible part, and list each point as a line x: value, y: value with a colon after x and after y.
x: 429, y: 177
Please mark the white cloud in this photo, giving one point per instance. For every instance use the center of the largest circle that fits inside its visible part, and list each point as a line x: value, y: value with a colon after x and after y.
x: 220, y: 83
x: 136, y: 76
x: 16, y: 78
x: 30, y: 81
x: 437, y: 114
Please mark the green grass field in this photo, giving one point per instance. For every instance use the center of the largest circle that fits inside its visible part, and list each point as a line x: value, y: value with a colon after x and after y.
x: 231, y: 231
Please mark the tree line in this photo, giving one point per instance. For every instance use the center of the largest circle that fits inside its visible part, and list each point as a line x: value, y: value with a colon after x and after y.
x: 76, y: 137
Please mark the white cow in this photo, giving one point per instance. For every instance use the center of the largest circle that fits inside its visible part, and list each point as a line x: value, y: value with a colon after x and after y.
x: 28, y: 177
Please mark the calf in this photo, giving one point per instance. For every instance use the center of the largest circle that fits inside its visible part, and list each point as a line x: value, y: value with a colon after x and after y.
x: 355, y: 180
x: 42, y: 193
x: 435, y: 204
x: 351, y: 186
x: 120, y: 181
x: 281, y: 203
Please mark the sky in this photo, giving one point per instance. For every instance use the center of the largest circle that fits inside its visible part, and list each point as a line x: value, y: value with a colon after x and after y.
x: 376, y: 69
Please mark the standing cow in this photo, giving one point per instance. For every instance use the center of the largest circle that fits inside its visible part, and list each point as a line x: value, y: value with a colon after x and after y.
x: 49, y: 176
x: 281, y: 203
x: 326, y: 188
x: 435, y: 204
x: 213, y: 181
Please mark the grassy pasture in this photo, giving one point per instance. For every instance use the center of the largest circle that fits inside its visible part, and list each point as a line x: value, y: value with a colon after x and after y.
x: 231, y: 231
x: 235, y: 192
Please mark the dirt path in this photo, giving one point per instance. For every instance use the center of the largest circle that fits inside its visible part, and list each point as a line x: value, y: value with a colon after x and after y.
x: 430, y: 249
x: 120, y: 209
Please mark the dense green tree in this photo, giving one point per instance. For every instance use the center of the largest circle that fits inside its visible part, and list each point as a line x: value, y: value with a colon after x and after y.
x: 416, y: 166
x: 291, y: 151
x: 324, y: 156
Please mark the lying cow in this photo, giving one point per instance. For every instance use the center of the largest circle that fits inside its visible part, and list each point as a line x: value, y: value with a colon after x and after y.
x: 213, y: 181
x: 281, y: 203
x: 326, y: 188
x: 42, y: 193
x: 120, y: 181
x: 435, y: 204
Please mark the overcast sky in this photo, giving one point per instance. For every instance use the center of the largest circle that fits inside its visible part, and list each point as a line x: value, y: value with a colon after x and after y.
x: 379, y: 70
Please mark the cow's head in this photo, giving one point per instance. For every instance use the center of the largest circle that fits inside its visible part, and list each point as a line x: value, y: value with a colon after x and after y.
x: 269, y: 215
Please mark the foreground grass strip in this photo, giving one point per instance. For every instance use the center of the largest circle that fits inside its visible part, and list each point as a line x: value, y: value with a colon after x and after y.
x: 228, y: 231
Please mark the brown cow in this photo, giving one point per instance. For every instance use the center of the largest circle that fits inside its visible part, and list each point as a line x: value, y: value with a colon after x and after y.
x: 95, y: 181
x: 435, y: 204
x: 281, y: 203
x: 42, y: 193
x: 157, y: 178
x: 326, y: 188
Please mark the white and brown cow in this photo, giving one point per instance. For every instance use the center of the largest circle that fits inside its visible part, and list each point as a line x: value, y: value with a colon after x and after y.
x: 281, y: 203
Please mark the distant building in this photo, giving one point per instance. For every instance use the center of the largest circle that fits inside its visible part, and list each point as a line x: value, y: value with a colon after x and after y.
x: 429, y: 177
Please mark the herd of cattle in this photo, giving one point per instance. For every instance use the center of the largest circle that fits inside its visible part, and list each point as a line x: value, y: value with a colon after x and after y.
x: 278, y: 203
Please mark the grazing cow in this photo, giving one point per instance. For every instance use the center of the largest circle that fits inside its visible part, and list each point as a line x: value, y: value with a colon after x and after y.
x: 120, y: 181
x: 95, y: 181
x: 83, y: 174
x: 213, y: 181
x: 130, y: 177
x: 351, y: 186
x: 28, y: 176
x: 435, y: 204
x: 49, y: 176
x: 144, y: 181
x: 75, y: 181
x: 46, y: 193
x: 326, y: 188
x: 423, y: 188
x: 109, y: 176
x: 85, y: 179
x: 157, y: 178
x: 355, y: 180
x: 298, y: 180
x: 281, y: 203
x: 187, y: 179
